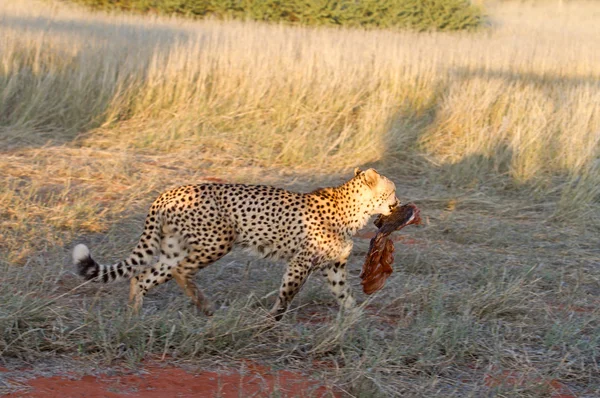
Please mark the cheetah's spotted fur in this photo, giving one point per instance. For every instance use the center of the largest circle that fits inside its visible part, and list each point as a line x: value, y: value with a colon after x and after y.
x: 195, y: 225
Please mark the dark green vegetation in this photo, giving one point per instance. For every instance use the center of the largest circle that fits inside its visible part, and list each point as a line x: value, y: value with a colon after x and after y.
x: 413, y: 14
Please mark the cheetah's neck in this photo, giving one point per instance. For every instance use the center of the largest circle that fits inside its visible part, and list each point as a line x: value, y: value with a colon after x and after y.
x: 352, y: 210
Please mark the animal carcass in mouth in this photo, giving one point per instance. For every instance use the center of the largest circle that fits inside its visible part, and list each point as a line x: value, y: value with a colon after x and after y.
x: 378, y: 264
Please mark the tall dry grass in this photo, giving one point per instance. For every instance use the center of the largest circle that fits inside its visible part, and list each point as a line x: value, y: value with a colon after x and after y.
x: 518, y: 100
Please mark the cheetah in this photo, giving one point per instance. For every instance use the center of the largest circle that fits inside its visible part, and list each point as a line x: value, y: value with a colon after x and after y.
x: 192, y: 226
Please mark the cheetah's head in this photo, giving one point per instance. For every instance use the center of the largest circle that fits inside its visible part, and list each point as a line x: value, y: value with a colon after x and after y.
x: 381, y: 191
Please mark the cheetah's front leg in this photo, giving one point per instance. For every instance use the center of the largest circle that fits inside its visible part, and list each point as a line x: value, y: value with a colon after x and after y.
x: 336, y: 280
x: 295, y: 275
x: 336, y: 273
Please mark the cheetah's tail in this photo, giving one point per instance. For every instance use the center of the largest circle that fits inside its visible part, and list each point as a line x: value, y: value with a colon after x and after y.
x: 88, y: 268
x: 141, y: 257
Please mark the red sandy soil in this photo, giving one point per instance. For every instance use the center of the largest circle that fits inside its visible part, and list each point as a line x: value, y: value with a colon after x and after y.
x: 155, y: 381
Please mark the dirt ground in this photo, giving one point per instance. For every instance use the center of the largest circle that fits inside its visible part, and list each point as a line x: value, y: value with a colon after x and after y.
x: 158, y: 380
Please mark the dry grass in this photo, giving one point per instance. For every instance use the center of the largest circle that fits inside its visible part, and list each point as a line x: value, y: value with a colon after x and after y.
x: 519, y: 100
x: 494, y: 135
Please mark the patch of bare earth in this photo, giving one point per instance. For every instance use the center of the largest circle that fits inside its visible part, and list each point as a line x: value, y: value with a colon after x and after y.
x: 156, y: 380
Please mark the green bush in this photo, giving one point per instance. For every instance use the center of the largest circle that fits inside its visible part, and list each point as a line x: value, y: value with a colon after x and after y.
x: 413, y: 14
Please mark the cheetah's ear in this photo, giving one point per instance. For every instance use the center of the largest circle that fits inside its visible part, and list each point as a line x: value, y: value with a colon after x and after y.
x: 357, y: 171
x: 371, y: 177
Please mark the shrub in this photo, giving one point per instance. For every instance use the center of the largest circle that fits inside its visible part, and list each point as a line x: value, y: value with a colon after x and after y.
x: 400, y: 14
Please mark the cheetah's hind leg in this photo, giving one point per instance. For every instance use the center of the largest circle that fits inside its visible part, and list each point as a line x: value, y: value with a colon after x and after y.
x: 171, y: 253
x: 136, y: 295
x: 191, y: 289
x: 184, y: 273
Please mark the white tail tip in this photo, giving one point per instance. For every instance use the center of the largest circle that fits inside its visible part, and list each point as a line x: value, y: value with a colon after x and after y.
x: 80, y: 252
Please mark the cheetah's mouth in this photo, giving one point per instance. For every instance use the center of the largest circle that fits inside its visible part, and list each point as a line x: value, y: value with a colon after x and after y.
x: 396, y: 202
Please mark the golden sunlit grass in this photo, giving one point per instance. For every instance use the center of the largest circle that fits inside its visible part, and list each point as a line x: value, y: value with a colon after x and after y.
x: 519, y: 99
x: 493, y: 134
